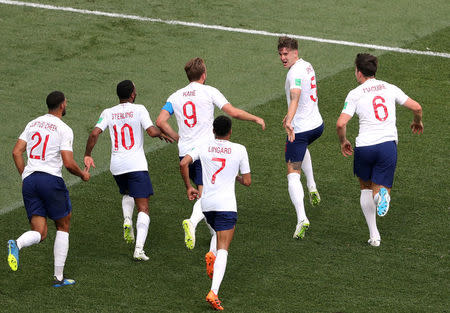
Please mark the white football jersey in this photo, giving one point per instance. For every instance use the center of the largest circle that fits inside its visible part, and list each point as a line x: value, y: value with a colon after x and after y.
x: 46, y: 137
x: 193, y: 106
x: 126, y: 122
x: 221, y: 160
x: 374, y: 102
x: 301, y: 76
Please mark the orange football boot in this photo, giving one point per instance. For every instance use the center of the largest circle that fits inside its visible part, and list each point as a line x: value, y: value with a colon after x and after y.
x: 210, y: 258
x: 214, y: 301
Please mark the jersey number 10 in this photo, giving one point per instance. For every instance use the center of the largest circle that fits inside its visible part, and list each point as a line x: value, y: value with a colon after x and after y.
x: 122, y: 134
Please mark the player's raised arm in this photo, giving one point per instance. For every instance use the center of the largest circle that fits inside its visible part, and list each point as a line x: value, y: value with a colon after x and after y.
x: 341, y: 129
x: 416, y: 125
x: 192, y: 193
x: 17, y: 153
x: 243, y: 115
x: 92, y: 140
x: 163, y: 124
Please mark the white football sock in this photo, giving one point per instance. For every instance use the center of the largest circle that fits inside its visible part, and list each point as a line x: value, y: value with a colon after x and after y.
x: 213, y: 244
x: 60, y: 249
x: 197, y: 213
x: 28, y: 238
x: 369, y: 209
x: 296, y: 193
x: 128, y: 208
x: 308, y: 171
x: 142, y: 223
x: 219, y: 270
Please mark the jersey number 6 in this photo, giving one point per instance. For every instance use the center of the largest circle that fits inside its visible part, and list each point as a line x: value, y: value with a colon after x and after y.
x: 377, y: 105
x: 191, y: 119
x: 213, y: 180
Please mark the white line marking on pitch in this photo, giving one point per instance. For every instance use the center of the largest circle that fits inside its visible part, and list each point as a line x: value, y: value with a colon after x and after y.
x: 224, y: 28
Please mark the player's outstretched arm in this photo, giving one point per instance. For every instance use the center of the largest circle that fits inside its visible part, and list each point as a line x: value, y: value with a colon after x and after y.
x: 19, y: 149
x: 244, y: 179
x: 416, y: 125
x: 163, y: 124
x: 341, y: 129
x: 92, y: 140
x: 153, y: 131
x: 192, y: 193
x: 243, y: 115
x: 72, y: 166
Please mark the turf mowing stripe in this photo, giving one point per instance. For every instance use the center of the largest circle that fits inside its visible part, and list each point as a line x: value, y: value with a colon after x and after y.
x: 224, y: 28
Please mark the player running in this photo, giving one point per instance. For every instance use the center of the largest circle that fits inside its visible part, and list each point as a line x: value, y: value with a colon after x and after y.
x: 47, y: 141
x: 221, y: 161
x: 193, y: 107
x: 376, y: 145
x: 303, y: 124
x: 127, y: 122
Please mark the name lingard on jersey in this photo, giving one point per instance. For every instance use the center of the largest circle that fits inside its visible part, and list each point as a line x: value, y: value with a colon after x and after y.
x: 219, y: 150
x: 374, y: 88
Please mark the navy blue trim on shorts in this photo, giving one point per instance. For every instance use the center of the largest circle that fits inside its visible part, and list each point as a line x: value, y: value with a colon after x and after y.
x: 221, y: 220
x: 135, y: 184
x: 295, y: 151
x: 46, y: 195
x: 195, y: 172
x: 376, y: 163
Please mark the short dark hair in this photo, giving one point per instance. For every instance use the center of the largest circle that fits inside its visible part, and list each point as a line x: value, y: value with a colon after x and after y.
x: 54, y: 100
x: 367, y: 64
x: 222, y: 126
x: 195, y: 68
x: 287, y: 42
x: 125, y: 89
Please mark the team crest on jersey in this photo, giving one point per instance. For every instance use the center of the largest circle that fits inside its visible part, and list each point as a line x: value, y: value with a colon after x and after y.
x: 99, y: 120
x: 298, y: 82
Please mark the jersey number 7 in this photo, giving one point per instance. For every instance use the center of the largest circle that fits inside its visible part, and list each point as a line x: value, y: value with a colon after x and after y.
x: 223, y: 161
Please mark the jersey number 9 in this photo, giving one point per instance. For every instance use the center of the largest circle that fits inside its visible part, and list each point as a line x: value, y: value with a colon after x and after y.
x: 190, y: 114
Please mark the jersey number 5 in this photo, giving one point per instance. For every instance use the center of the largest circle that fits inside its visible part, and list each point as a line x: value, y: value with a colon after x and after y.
x: 223, y: 161
x: 191, y: 118
x: 122, y: 133
x: 39, y: 140
x: 378, y: 102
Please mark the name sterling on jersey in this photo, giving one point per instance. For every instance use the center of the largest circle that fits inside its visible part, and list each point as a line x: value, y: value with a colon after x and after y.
x: 121, y: 116
x: 219, y: 150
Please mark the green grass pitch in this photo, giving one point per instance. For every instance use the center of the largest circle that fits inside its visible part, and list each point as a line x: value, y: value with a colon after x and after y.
x: 332, y: 269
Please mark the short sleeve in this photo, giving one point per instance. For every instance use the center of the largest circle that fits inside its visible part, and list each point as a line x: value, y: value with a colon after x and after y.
x: 102, y: 122
x: 23, y: 135
x: 294, y: 80
x: 146, y: 121
x: 218, y: 98
x: 400, y: 96
x: 168, y: 107
x: 195, y: 154
x: 244, y: 166
x: 349, y: 105
x: 66, y: 139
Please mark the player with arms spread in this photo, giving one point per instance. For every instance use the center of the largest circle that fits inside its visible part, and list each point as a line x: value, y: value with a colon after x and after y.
x: 376, y: 145
x: 47, y: 140
x: 127, y: 122
x: 221, y: 161
x: 303, y: 124
x: 193, y: 107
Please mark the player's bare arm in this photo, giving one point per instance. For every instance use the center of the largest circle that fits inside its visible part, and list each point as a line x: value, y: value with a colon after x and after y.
x: 72, y: 166
x: 153, y: 132
x: 244, y: 179
x: 17, y: 153
x: 242, y: 115
x: 292, y: 109
x: 163, y: 124
x: 416, y: 125
x: 92, y: 140
x: 341, y: 129
x: 192, y: 193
